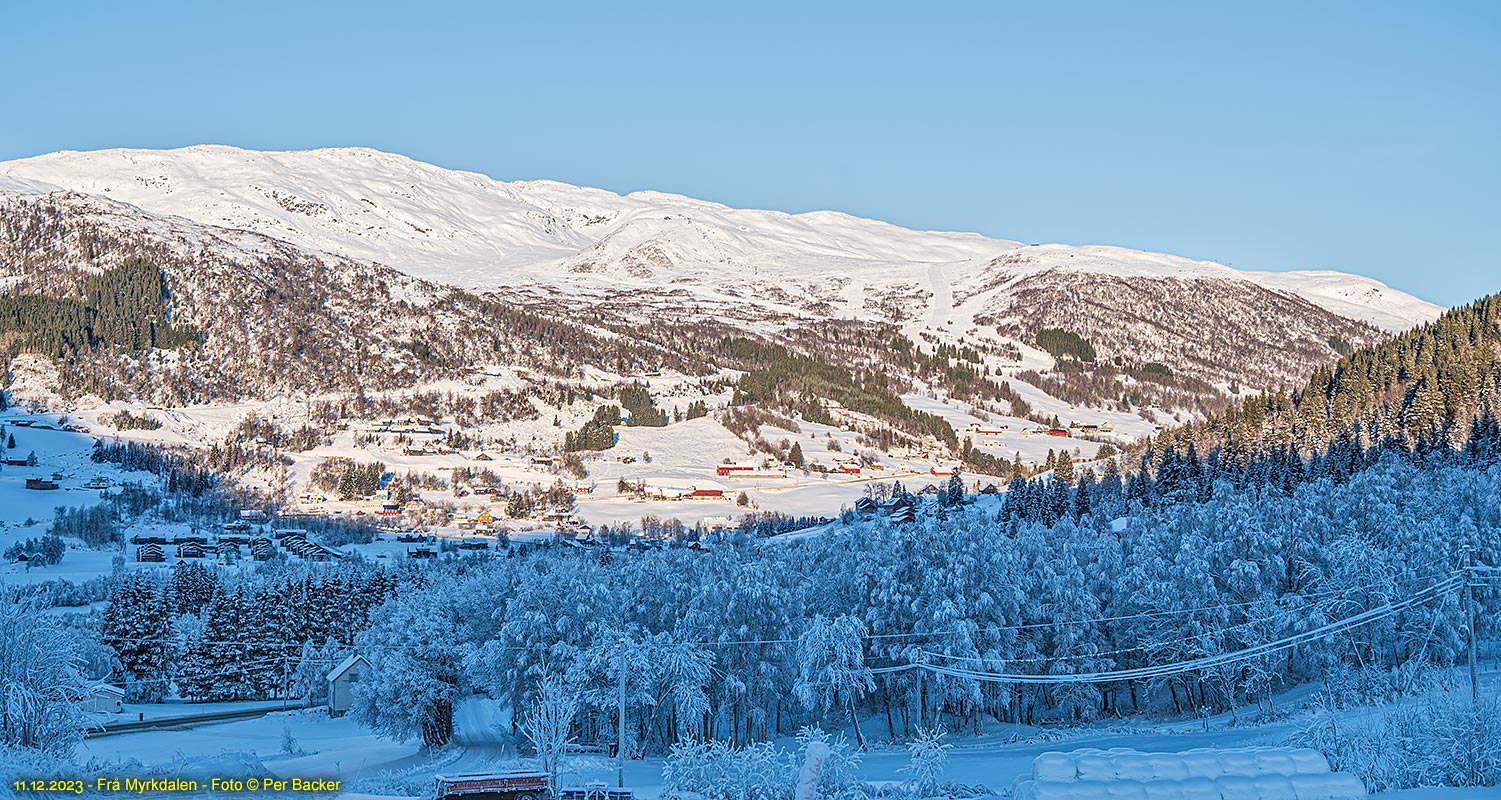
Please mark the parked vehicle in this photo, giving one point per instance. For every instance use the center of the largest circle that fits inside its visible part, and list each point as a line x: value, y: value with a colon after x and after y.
x: 494, y: 786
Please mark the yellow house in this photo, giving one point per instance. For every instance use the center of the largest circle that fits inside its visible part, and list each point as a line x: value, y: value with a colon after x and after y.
x: 485, y: 517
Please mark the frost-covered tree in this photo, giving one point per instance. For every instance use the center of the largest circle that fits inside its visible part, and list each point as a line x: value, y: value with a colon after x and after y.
x: 831, y: 667
x: 415, y: 647
x: 548, y: 724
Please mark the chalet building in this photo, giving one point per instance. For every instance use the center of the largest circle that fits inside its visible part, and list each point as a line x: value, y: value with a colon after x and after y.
x: 39, y: 484
x: 150, y: 554
x: 189, y: 550
x: 341, y: 681
x: 866, y: 507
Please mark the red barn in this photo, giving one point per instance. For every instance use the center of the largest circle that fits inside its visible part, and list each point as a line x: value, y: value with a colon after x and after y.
x: 731, y: 469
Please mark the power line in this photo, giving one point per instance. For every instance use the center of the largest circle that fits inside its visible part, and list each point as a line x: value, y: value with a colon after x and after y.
x: 1197, y: 664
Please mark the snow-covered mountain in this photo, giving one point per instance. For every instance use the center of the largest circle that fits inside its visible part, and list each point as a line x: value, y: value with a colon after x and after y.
x: 663, y: 258
x: 469, y: 230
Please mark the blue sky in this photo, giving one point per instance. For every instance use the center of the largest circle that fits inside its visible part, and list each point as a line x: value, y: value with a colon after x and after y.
x: 1354, y: 136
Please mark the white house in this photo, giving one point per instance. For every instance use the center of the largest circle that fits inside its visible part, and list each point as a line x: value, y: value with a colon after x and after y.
x: 103, y: 699
x: 341, y: 681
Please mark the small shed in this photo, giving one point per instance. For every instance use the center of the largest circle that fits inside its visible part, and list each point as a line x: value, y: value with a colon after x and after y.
x: 104, y: 699
x: 341, y: 681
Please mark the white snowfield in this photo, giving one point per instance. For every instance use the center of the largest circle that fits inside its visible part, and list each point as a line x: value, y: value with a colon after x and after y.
x: 467, y: 229
x: 1253, y: 773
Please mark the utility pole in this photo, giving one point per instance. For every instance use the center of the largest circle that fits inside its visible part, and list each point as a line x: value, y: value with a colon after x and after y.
x: 1470, y: 622
x: 620, y: 742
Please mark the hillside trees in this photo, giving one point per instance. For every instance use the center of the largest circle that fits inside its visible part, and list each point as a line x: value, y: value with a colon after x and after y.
x: 596, y: 434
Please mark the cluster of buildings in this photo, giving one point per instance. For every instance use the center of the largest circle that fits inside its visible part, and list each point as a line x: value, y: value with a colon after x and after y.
x: 226, y: 547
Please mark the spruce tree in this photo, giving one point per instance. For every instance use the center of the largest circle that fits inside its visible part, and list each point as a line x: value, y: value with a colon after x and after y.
x: 137, y: 626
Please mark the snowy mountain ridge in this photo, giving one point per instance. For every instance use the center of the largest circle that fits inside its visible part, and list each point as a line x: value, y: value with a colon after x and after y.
x: 479, y: 233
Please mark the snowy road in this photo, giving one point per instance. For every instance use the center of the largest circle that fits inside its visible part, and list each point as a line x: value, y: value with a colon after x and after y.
x: 942, y: 304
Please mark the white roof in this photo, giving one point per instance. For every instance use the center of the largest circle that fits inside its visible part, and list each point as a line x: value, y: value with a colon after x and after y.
x: 344, y: 665
x: 105, y: 688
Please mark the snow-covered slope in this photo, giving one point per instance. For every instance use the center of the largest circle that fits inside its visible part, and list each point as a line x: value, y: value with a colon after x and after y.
x: 470, y: 230
x: 1353, y: 296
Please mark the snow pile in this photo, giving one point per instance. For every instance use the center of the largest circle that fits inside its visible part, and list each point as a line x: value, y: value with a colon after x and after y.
x: 1253, y: 773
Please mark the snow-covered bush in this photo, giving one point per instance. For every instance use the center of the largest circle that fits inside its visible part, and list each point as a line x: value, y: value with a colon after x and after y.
x: 841, y: 767
x: 41, y: 680
x: 1440, y: 739
x: 719, y: 771
x: 930, y: 754
x: 289, y: 744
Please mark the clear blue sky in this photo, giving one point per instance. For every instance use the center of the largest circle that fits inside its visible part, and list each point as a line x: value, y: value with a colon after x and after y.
x: 1359, y: 136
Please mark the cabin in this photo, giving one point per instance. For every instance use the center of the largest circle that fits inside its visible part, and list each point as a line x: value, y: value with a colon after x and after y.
x: 707, y: 494
x: 849, y: 469
x: 150, y: 554
x: 482, y: 456
x: 341, y: 681
x: 484, y: 518
x: 104, y: 699
x: 253, y: 515
x: 189, y: 550
x: 1059, y: 432
x: 941, y: 473
x: 422, y: 552
x: 733, y: 469
x: 40, y: 485
x: 389, y: 510
x: 866, y: 507
x: 15, y: 462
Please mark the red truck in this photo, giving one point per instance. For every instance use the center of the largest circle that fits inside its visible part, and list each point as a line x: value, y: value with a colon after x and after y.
x: 494, y: 786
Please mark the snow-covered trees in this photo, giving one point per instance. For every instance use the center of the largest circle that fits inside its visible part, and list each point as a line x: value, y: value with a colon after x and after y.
x: 138, y: 627
x: 415, y: 651
x: 41, y: 684
x: 831, y: 667
x: 743, y: 642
